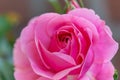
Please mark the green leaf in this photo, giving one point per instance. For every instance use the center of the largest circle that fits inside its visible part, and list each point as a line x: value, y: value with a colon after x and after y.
x: 5, y: 48
x: 115, y: 75
x: 56, y: 5
x: 6, y: 70
x: 6, y: 66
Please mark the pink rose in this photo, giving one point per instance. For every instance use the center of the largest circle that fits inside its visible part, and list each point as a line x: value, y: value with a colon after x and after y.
x: 73, y: 46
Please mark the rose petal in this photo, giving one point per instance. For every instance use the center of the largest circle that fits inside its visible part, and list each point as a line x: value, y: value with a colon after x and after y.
x: 41, y: 28
x: 89, y: 58
x: 52, y: 59
x: 108, y: 30
x: 28, y: 43
x: 37, y: 63
x: 87, y: 35
x: 74, y: 46
x: 65, y: 72
x: 85, y: 78
x: 87, y: 62
x: 43, y: 78
x: 102, y: 71
x: 87, y: 14
x: 80, y: 23
x: 23, y: 71
x: 56, y: 23
x: 105, y: 48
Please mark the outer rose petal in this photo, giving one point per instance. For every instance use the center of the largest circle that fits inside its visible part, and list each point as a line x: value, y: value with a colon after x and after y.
x: 106, y: 74
x: 88, y: 14
x: 41, y: 27
x: 27, y: 40
x: 106, y: 47
x: 42, y: 78
x: 23, y: 71
x: 85, y: 78
x: 103, y: 71
x: 109, y: 32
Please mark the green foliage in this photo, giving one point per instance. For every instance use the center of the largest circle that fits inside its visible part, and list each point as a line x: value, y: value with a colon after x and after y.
x: 4, y: 25
x: 56, y: 5
x: 6, y: 63
x: 81, y: 3
x: 6, y: 66
x: 116, y: 75
x: 6, y: 70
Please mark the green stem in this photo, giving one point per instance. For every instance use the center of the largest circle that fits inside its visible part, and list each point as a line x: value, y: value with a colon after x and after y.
x: 67, y: 3
x: 71, y: 4
x: 81, y: 3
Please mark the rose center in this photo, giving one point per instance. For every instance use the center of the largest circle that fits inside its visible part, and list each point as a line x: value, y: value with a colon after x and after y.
x: 64, y: 38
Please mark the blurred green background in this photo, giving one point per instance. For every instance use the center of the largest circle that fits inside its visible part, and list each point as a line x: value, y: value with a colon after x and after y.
x: 15, y: 14
x: 7, y: 22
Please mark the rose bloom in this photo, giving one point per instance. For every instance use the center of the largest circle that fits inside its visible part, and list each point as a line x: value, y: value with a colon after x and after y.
x: 73, y: 46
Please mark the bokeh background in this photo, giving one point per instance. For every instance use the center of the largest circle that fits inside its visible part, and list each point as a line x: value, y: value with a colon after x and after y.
x: 15, y: 14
